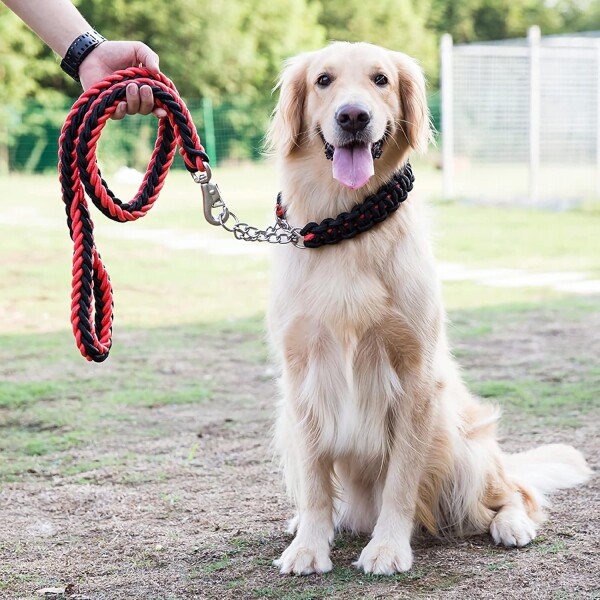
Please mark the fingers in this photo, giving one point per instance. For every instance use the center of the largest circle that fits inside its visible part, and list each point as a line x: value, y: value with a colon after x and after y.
x: 146, y: 100
x: 159, y: 113
x: 139, y: 100
x: 133, y: 99
x: 120, y: 111
x: 147, y: 57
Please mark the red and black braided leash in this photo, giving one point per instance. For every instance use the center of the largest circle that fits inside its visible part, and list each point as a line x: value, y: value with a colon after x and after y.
x: 91, y: 298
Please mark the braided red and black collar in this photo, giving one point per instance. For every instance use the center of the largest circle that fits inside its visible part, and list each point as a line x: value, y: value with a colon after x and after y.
x: 361, y: 217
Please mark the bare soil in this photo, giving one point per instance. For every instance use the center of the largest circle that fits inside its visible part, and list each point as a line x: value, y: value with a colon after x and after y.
x: 192, y: 505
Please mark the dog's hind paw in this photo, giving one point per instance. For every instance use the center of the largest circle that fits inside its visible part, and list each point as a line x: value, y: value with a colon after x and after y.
x: 512, y: 527
x: 301, y: 559
x: 385, y: 558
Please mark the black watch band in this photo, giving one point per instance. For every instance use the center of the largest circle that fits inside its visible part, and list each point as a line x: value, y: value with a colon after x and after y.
x: 77, y: 52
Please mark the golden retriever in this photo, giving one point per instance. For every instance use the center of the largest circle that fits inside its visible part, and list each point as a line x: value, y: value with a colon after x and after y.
x: 376, y: 430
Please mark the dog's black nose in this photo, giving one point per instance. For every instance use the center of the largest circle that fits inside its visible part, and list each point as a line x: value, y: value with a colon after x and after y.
x: 353, y: 117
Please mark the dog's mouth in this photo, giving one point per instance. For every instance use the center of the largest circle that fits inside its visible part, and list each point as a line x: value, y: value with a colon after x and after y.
x: 353, y: 162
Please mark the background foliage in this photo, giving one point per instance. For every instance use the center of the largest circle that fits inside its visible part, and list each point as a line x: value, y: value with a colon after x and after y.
x: 231, y: 52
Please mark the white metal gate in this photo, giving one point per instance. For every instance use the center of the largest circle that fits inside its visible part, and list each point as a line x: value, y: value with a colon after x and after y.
x: 521, y: 119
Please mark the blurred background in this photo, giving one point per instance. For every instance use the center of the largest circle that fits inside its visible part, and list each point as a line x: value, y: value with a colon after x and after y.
x: 224, y: 60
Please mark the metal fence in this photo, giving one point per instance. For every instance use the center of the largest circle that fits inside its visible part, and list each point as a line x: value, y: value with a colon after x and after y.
x: 228, y: 131
x: 521, y: 119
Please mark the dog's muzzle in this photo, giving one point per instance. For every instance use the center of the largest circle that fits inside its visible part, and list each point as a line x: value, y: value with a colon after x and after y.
x: 376, y: 147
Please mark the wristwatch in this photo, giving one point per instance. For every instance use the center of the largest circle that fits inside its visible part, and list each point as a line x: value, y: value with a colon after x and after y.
x: 78, y: 51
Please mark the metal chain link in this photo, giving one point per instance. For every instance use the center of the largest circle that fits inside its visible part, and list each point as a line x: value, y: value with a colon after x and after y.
x: 279, y: 233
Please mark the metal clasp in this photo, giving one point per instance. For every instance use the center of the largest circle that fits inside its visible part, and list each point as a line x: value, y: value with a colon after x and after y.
x: 211, y: 197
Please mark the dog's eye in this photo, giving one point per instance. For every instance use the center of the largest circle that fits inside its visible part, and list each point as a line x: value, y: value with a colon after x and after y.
x: 324, y: 80
x: 380, y: 79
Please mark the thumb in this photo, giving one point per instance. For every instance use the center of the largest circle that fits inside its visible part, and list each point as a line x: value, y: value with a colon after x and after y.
x: 147, y: 57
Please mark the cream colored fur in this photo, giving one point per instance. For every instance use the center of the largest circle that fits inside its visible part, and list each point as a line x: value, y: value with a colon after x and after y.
x: 376, y: 431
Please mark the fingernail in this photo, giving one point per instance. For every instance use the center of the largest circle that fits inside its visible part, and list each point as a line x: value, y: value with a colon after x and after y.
x: 132, y: 89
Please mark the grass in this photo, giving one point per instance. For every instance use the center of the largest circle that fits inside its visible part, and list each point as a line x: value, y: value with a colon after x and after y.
x: 177, y: 308
x: 210, y: 276
x: 559, y: 403
x: 519, y: 238
x: 50, y: 414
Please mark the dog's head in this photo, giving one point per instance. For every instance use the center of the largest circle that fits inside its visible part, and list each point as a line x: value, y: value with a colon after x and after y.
x: 352, y: 102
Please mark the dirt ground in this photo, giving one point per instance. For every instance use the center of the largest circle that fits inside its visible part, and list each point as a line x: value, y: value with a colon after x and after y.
x: 204, y: 517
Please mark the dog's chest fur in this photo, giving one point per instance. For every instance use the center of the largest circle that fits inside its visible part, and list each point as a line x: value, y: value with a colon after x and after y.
x: 335, y: 314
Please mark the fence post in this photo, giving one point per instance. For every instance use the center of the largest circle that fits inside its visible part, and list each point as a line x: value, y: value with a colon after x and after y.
x: 598, y: 119
x: 210, y: 142
x: 447, y: 116
x: 533, y: 39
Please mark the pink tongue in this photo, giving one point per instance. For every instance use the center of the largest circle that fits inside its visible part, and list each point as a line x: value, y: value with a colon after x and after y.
x: 353, y: 166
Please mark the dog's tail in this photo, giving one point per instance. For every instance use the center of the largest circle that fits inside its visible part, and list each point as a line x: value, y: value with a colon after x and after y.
x: 548, y: 468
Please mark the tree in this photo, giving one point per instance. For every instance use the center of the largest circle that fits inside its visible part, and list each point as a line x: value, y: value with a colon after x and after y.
x: 479, y: 20
x: 222, y: 50
x: 395, y: 24
x: 580, y: 15
x: 24, y: 64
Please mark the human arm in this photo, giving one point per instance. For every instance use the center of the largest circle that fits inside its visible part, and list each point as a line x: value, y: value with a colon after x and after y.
x: 58, y: 23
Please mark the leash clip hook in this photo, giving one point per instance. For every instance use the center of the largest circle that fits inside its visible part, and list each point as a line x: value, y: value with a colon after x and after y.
x: 211, y: 197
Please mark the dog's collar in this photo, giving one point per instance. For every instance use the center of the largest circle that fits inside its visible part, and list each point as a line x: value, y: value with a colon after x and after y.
x: 360, y: 218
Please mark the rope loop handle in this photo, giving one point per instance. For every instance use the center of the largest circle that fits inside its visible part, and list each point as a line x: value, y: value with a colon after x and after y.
x: 79, y: 175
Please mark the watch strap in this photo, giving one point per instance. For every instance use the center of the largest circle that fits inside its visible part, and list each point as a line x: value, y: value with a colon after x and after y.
x: 78, y: 51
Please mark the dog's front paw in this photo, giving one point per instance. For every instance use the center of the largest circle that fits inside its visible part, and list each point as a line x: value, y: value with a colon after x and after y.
x: 512, y: 527
x: 385, y: 558
x: 303, y: 559
x: 292, y: 526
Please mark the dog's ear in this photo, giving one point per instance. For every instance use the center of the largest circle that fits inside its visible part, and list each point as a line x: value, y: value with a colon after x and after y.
x: 414, y: 122
x: 287, y: 122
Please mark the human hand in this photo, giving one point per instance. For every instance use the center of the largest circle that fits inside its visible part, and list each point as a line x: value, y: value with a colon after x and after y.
x: 112, y: 56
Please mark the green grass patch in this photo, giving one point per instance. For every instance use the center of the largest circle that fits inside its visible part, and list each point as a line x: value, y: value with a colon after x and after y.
x: 217, y: 565
x: 560, y: 403
x: 543, y: 547
x: 518, y: 238
x: 22, y: 394
x: 55, y: 405
x: 165, y: 281
x: 487, y: 319
x: 469, y: 295
x: 152, y: 398
x: 502, y: 565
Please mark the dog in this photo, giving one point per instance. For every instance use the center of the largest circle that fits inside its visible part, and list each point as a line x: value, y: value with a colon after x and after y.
x: 376, y: 431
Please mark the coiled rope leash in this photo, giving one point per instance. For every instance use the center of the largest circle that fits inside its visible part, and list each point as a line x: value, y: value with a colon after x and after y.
x: 79, y: 174
x: 92, y: 325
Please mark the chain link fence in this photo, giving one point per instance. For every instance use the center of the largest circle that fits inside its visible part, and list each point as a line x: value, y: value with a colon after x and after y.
x: 229, y: 132
x: 521, y: 119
